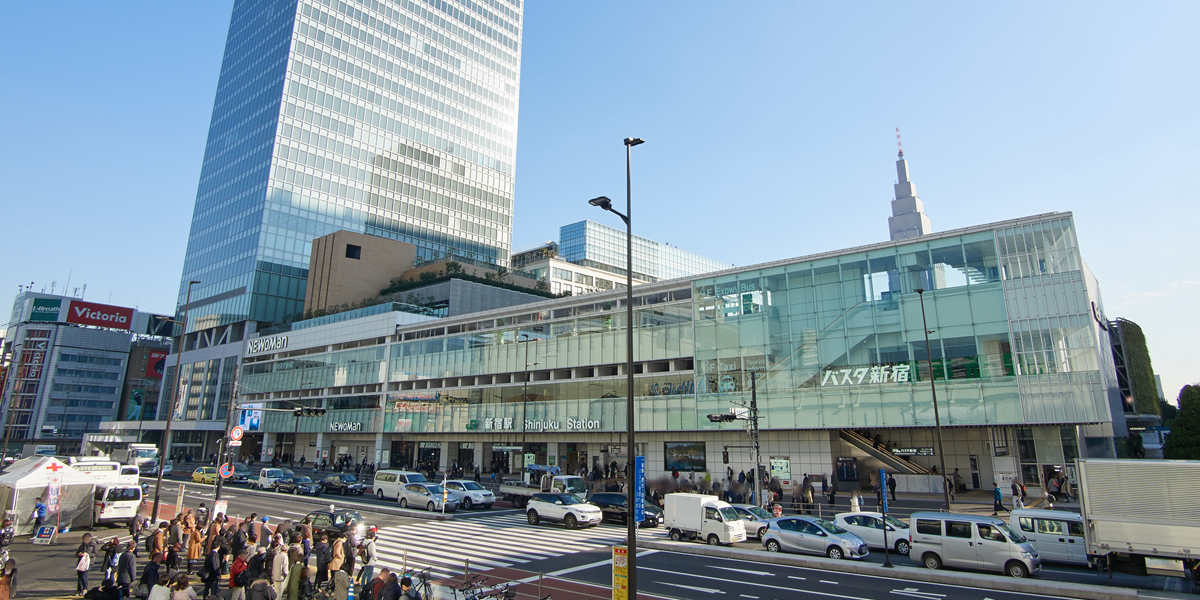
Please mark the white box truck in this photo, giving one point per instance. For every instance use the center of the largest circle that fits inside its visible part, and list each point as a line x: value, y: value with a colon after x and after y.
x: 1143, y: 512
x: 699, y: 516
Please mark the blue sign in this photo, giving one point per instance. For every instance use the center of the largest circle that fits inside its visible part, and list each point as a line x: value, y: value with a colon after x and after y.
x: 639, y: 489
x: 883, y: 488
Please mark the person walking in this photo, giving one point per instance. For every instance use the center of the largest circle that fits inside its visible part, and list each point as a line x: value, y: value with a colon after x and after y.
x: 83, y: 565
x: 321, y: 551
x: 182, y: 590
x: 279, y: 568
x: 195, y: 548
x: 833, y: 490
x: 152, y: 572
x: 261, y: 589
x: 112, y: 554
x: 127, y: 567
x: 210, y: 573
x: 1017, y: 501
x: 891, y: 485
x: 238, y: 577
x: 855, y: 500
x: 997, y: 500
x: 158, y: 541
x: 367, y: 557
x: 291, y: 587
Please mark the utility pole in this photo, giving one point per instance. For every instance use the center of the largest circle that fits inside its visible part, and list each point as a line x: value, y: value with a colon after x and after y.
x: 224, y: 442
x: 758, y: 483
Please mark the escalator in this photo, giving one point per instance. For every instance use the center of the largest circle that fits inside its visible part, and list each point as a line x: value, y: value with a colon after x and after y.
x: 882, y: 454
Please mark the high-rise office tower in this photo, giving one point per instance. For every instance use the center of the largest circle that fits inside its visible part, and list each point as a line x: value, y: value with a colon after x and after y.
x: 396, y: 118
x: 908, y: 218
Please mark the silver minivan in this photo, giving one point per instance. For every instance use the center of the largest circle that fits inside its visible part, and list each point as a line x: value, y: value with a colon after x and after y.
x: 1057, y: 535
x: 970, y: 542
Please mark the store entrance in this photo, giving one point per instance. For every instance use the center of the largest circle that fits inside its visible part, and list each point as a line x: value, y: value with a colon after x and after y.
x: 430, y: 457
x: 466, y: 458
x: 402, y: 455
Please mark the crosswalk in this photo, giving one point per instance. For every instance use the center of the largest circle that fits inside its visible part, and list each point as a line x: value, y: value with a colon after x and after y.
x: 494, y: 542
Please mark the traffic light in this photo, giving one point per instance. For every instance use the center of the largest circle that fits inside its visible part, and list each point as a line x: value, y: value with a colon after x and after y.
x: 725, y: 456
x: 308, y: 412
x: 722, y: 418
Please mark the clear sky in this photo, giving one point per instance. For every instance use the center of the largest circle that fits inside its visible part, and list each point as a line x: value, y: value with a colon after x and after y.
x: 770, y: 133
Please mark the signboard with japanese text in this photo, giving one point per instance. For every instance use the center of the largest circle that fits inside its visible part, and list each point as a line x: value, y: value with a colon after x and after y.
x: 639, y: 489
x: 620, y: 567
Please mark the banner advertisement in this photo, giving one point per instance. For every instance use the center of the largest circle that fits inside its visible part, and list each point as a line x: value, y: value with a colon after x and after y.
x: 45, y: 309
x: 156, y: 364
x: 99, y: 315
x: 620, y: 566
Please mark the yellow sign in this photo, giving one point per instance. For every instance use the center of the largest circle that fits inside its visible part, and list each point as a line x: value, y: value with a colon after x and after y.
x: 620, y: 573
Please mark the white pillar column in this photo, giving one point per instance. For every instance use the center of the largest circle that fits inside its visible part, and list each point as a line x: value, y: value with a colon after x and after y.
x: 268, y: 443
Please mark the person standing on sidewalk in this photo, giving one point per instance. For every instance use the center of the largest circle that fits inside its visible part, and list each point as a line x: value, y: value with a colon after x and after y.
x: 891, y: 485
x: 38, y: 515
x: 321, y: 552
x: 1018, y: 502
x: 238, y: 581
x: 112, y: 554
x: 997, y: 499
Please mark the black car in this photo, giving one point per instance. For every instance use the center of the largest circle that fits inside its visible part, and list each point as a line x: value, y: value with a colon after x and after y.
x: 342, y: 483
x: 298, y: 484
x: 613, y: 507
x: 348, y: 522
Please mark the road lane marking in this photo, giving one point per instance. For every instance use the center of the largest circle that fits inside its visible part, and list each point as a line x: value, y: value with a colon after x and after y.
x: 948, y: 585
x: 827, y: 581
x: 750, y: 597
x: 773, y: 587
x: 917, y: 593
x: 794, y: 577
x: 746, y: 571
x: 692, y: 587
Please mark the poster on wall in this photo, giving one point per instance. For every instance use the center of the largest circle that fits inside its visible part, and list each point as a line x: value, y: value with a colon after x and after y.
x: 156, y: 364
x: 685, y: 456
x: 250, y: 417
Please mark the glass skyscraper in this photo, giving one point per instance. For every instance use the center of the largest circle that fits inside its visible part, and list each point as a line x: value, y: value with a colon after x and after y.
x: 602, y: 247
x: 394, y: 118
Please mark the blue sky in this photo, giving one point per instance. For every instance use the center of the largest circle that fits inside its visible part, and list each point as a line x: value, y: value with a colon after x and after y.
x: 770, y: 133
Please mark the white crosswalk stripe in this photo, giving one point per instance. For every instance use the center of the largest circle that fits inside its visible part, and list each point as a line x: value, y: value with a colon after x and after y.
x: 500, y: 541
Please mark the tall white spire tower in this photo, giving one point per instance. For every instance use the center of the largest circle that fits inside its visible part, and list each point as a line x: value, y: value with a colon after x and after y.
x: 908, y: 218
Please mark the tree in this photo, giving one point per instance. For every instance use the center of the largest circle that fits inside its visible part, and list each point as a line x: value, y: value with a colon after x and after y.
x: 1183, y: 443
x: 453, y: 268
x: 1168, y: 411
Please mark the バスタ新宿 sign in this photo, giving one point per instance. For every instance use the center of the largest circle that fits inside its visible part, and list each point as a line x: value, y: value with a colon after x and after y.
x: 99, y: 315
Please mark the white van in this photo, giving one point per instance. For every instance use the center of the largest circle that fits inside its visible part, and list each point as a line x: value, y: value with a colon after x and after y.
x: 389, y: 484
x: 105, y: 472
x: 970, y: 542
x: 130, y: 475
x: 116, y: 503
x: 1057, y: 535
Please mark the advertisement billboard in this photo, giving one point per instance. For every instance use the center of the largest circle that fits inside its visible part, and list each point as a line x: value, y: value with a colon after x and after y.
x: 156, y: 364
x: 99, y: 315
x: 685, y: 456
x: 250, y: 417
x: 45, y: 309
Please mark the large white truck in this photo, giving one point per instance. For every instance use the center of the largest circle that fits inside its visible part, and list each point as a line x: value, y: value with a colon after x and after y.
x: 145, y: 456
x: 703, y: 517
x: 1144, y: 513
x: 541, y: 478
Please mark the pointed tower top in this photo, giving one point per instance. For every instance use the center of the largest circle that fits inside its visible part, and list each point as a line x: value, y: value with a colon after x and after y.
x: 898, y: 144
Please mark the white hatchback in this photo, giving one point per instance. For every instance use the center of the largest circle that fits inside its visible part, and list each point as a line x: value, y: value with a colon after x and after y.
x: 472, y: 493
x: 869, y: 527
x: 428, y: 496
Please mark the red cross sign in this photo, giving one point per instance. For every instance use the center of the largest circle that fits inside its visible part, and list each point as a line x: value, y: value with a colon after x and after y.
x: 55, y: 467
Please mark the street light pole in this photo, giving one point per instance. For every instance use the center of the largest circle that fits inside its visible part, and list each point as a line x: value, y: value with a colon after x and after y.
x: 630, y: 523
x: 937, y: 418
x: 166, y: 439
x: 525, y: 398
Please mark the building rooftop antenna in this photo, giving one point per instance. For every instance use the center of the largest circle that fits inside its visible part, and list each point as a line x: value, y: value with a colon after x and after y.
x: 898, y: 144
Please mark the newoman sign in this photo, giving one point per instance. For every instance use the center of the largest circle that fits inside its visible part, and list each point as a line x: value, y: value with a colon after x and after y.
x: 271, y: 344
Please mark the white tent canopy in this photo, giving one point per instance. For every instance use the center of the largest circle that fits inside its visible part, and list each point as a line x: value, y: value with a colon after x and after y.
x: 28, y: 479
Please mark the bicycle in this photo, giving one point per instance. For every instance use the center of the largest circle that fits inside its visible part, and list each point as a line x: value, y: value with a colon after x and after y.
x: 421, y: 581
x: 475, y: 582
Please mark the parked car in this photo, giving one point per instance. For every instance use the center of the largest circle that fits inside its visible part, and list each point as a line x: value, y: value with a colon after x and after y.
x: 1056, y: 535
x: 168, y: 468
x: 344, y: 521
x: 241, y: 473
x: 803, y: 533
x: 562, y: 508
x: 267, y: 476
x: 612, y: 506
x: 342, y: 483
x: 204, y: 475
x: 472, y: 494
x: 970, y: 542
x: 116, y: 503
x: 754, y: 519
x: 428, y: 496
x: 389, y: 483
x: 298, y: 484
x: 869, y: 527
